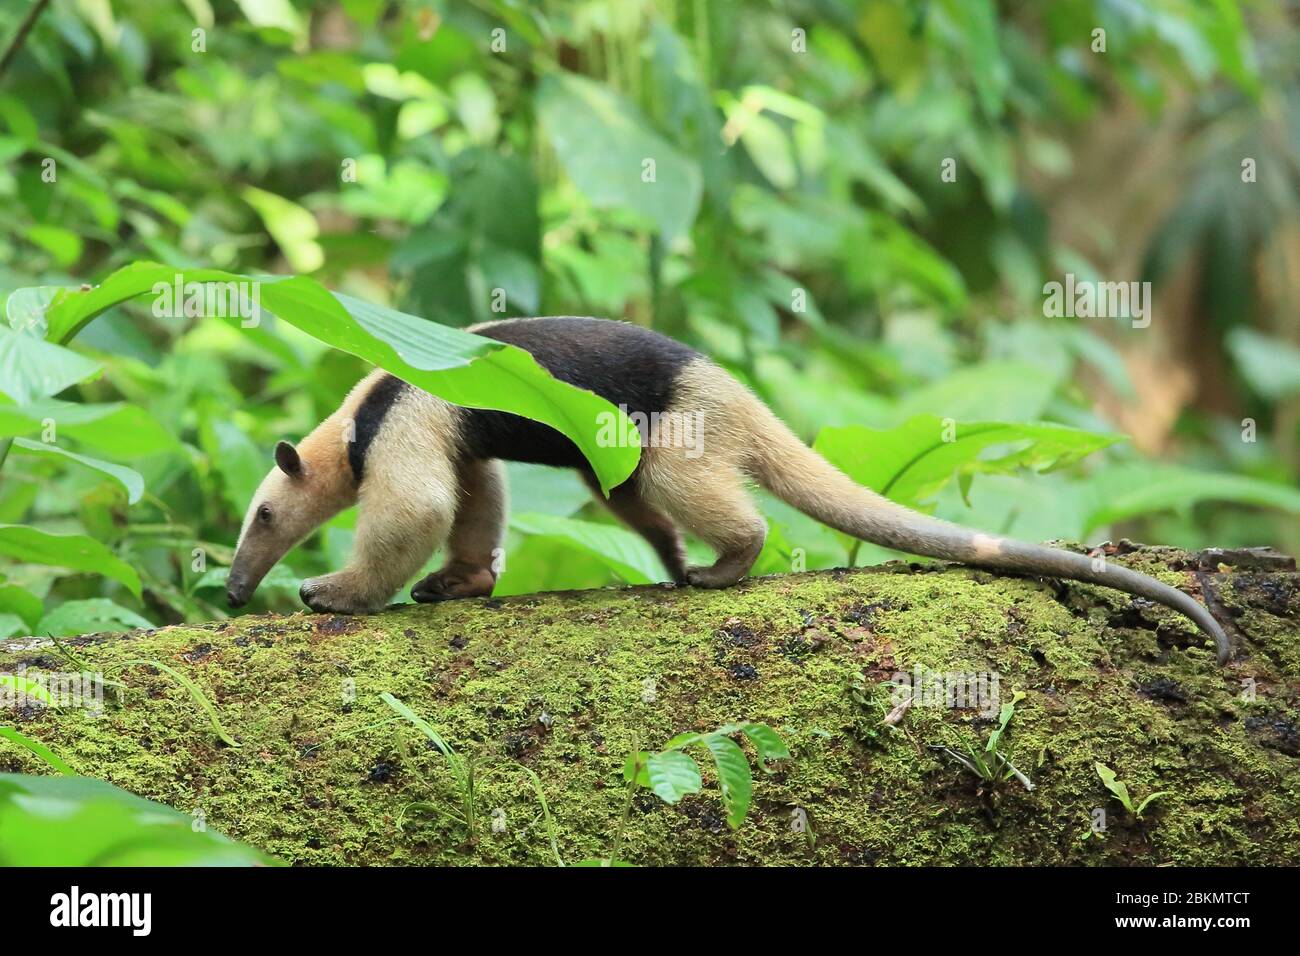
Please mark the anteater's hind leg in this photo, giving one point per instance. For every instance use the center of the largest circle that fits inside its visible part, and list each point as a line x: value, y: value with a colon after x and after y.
x: 627, y: 504
x: 710, y: 501
x: 476, y: 536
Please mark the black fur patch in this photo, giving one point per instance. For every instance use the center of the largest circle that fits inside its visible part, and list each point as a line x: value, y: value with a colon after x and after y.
x: 370, y: 415
x: 624, y: 364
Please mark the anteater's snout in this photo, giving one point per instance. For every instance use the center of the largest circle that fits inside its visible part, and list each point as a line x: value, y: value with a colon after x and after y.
x: 236, y: 591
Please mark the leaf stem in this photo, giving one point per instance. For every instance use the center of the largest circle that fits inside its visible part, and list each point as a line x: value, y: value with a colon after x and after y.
x: 16, y: 44
x: 627, y: 804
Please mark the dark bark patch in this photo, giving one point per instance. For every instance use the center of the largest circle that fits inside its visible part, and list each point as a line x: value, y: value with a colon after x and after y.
x: 1164, y: 689
x: 337, y: 624
x: 1276, y: 733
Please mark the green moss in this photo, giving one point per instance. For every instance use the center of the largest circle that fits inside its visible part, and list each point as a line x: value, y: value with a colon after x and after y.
x: 564, y: 683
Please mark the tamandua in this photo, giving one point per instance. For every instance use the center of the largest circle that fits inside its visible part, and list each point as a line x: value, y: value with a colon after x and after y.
x: 428, y: 473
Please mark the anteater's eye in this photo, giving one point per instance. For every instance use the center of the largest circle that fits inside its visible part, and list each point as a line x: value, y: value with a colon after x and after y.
x: 264, y: 514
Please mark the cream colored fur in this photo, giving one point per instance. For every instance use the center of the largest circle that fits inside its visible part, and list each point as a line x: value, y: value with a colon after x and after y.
x: 742, y: 438
x: 415, y: 497
x: 408, y: 501
x: 300, y: 504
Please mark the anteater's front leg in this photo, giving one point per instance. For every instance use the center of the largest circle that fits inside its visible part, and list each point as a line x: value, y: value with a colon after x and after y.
x: 395, y: 537
x: 476, y: 536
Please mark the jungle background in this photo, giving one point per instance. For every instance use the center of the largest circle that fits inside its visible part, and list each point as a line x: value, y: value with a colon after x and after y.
x: 448, y: 158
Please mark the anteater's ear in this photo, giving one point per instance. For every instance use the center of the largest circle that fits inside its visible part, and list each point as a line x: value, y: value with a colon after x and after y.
x: 286, y: 456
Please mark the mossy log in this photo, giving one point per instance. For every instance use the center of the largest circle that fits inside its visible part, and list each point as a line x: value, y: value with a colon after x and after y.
x: 564, y: 683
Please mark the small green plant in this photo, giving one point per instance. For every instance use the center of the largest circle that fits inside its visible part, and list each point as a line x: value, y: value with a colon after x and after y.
x: 672, y: 773
x: 38, y: 749
x: 118, y: 688
x: 462, y: 770
x: 199, y: 698
x: 34, y: 690
x: 546, y: 815
x: 990, y: 764
x: 1120, y: 790
x: 874, y: 704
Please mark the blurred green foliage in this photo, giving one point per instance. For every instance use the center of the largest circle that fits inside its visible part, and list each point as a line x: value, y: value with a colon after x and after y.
x: 79, y: 821
x: 764, y: 180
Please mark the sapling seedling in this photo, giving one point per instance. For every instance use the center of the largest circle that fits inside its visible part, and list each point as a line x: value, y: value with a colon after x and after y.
x: 672, y: 773
x: 1120, y: 790
x: 991, y: 765
x: 462, y: 769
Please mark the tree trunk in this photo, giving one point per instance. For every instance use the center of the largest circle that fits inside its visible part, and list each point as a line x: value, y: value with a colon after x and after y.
x: 564, y: 684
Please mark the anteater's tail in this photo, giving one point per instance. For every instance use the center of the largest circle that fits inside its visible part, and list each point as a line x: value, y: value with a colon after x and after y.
x: 799, y: 476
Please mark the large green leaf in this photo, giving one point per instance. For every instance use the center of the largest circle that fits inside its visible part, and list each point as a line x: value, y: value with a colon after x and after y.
x: 544, y: 563
x: 1126, y: 491
x: 25, y: 308
x: 279, y: 578
x: 975, y: 31
x: 552, y: 491
x: 20, y: 602
x: 77, y: 821
x: 74, y: 551
x: 293, y: 228
x: 624, y: 552
x: 605, y: 144
x: 31, y: 368
x: 123, y: 431
x: 273, y: 13
x: 912, y: 462
x: 126, y: 477
x: 672, y: 775
x: 457, y: 366
x: 1270, y: 365
x: 734, y: 778
x: 90, y: 616
x: 999, y: 390
x: 767, y: 742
